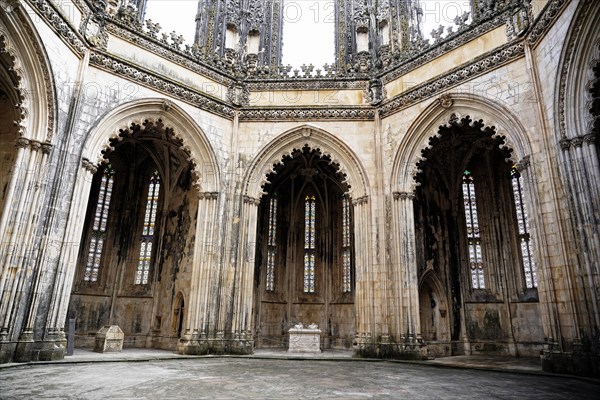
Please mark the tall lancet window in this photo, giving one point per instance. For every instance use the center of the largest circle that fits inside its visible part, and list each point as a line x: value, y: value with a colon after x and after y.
x: 309, y: 243
x: 346, y: 247
x: 473, y: 234
x: 147, y: 239
x: 529, y: 267
x: 98, y: 233
x: 271, y: 244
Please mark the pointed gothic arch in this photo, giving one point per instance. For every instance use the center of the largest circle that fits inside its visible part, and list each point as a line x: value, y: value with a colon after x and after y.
x: 193, y: 139
x: 439, y: 112
x: 315, y: 138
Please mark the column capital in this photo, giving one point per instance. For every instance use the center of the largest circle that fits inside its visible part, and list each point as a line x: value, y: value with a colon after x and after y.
x: 46, y: 147
x: 209, y: 195
x: 523, y: 164
x: 403, y: 195
x: 590, y: 139
x: 35, y: 145
x: 360, y: 200
x: 577, y: 142
x: 251, y: 200
x: 565, y: 143
x: 88, y: 166
x: 21, y: 142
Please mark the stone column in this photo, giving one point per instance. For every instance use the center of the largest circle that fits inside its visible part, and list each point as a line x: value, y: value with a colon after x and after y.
x: 201, y: 298
x: 22, y: 216
x: 406, y: 284
x: 19, y: 224
x: 65, y: 253
x: 583, y: 175
x: 364, y: 301
x: 242, y: 308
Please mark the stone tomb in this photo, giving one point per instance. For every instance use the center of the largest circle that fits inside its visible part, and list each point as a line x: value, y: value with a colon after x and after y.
x: 109, y: 339
x: 305, y: 339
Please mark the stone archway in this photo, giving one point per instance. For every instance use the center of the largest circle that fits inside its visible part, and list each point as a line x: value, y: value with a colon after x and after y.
x: 355, y: 178
x: 304, y: 263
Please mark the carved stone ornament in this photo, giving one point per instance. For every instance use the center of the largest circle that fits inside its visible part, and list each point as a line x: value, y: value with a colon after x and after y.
x: 375, y: 92
x: 238, y: 94
x: 94, y: 33
x: 445, y: 101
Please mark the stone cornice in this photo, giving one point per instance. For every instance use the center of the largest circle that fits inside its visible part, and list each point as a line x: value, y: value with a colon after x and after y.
x: 161, y: 49
x: 156, y: 82
x: 545, y: 19
x: 302, y: 114
x: 59, y: 24
x: 453, y: 78
x: 439, y: 49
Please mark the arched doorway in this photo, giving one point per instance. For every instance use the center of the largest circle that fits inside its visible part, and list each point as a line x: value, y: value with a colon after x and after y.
x: 304, y: 268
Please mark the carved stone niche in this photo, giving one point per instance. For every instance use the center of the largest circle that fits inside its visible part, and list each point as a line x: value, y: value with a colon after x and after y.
x: 109, y: 339
x: 305, y: 339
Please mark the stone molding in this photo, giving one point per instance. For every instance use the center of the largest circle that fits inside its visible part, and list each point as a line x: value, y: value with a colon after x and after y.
x: 208, y: 195
x: 567, y: 66
x: 544, y: 20
x: 403, y: 195
x: 154, y: 81
x: 26, y: 87
x: 307, y: 113
x: 454, y: 77
x: 52, y: 15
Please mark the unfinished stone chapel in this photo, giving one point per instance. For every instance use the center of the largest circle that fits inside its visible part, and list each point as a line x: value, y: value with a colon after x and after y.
x: 421, y: 195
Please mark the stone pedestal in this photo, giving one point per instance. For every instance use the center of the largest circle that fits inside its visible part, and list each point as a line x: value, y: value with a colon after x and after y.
x: 305, y: 339
x: 109, y: 339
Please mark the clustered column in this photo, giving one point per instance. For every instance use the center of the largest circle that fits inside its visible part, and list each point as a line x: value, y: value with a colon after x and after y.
x: 202, y: 310
x: 24, y: 200
x: 408, y: 329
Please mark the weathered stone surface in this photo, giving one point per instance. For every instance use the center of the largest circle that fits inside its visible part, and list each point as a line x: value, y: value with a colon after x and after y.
x: 304, y: 339
x: 109, y: 339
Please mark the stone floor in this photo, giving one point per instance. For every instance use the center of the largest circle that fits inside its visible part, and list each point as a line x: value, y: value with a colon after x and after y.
x: 271, y: 374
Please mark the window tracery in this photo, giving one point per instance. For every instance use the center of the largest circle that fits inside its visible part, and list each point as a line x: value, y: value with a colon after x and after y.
x: 473, y: 234
x: 529, y: 265
x: 271, y: 244
x: 99, y: 225
x: 147, y: 239
x: 309, y: 243
x: 346, y: 247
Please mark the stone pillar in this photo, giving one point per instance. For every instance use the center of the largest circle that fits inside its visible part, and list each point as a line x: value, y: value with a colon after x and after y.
x: 364, y: 301
x: 242, y: 308
x: 18, y: 230
x: 202, y: 297
x: 65, y: 253
x: 406, y: 281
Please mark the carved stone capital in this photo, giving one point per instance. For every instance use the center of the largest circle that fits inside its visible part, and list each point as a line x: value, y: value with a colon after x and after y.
x: 360, y: 200
x: 89, y: 166
x: 590, y: 139
x: 523, y: 164
x: 21, y: 142
x: 251, y: 200
x: 403, y: 195
x: 209, y: 195
x: 46, y: 147
x: 565, y: 143
x: 577, y: 142
x: 35, y: 145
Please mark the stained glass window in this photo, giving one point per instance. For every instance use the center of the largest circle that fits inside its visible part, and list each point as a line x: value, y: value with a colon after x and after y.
x: 94, y: 254
x: 529, y: 266
x: 473, y: 235
x: 143, y: 266
x: 309, y: 243
x: 271, y: 245
x: 346, y: 246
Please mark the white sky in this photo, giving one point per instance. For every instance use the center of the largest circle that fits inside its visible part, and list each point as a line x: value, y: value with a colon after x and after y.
x: 307, y: 28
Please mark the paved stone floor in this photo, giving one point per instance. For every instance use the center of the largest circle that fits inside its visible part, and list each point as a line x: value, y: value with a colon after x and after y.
x: 263, y: 378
